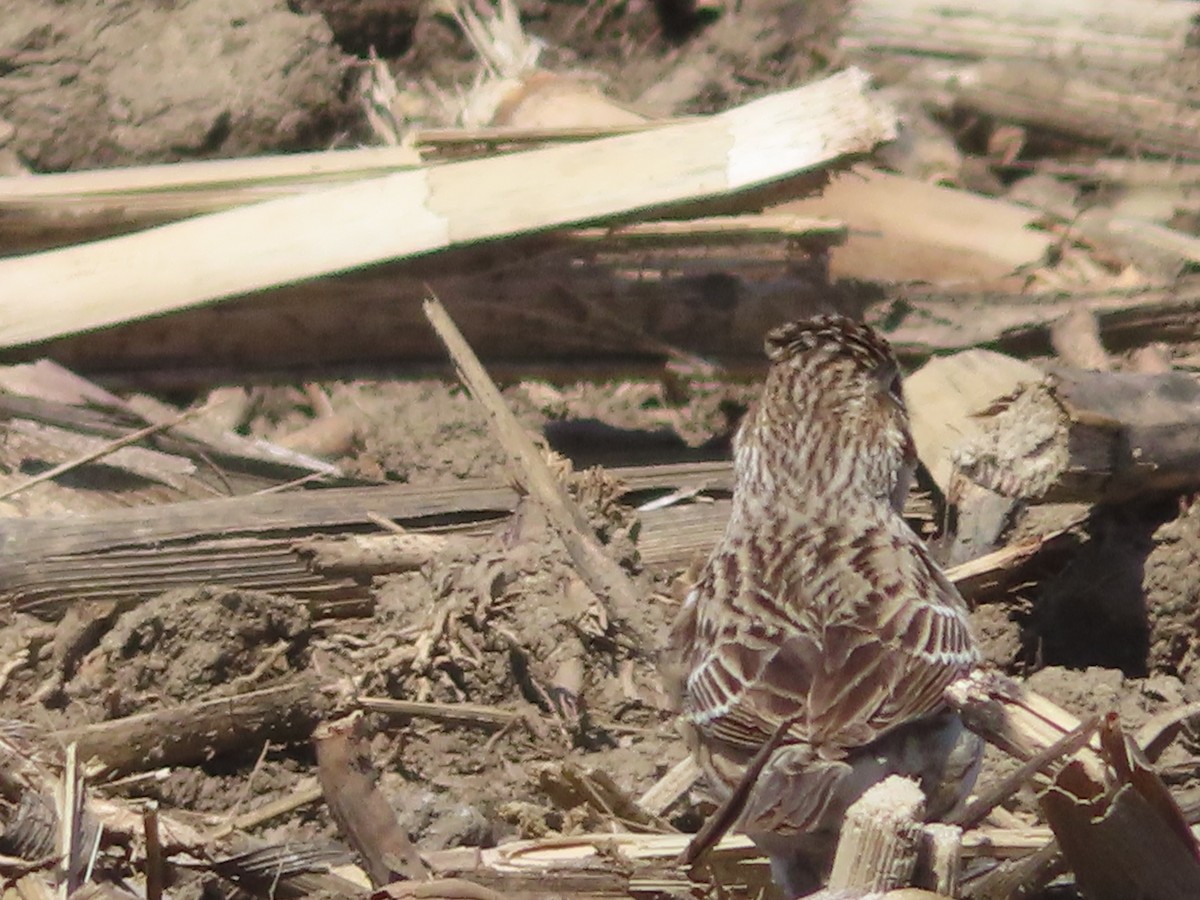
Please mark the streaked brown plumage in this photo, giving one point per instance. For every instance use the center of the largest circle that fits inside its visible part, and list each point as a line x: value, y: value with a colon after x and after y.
x: 820, y: 601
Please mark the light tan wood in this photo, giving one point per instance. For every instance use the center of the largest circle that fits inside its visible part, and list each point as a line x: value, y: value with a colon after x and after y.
x: 406, y: 214
x: 880, y: 838
x: 1090, y: 436
x: 904, y: 229
x: 1118, y: 34
x: 1079, y: 104
x: 946, y: 395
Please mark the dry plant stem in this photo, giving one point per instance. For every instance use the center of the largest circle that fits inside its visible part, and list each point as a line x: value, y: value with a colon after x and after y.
x: 599, y: 571
x: 300, y: 796
x: 673, y: 785
x: 100, y: 453
x: 70, y: 824
x: 365, y: 555
x: 880, y: 838
x: 195, y: 732
x: 155, y: 864
x: 1019, y: 721
x: 1076, y: 339
x: 1113, y: 112
x: 350, y: 784
x: 1121, y: 35
x: 991, y: 573
x: 491, y: 718
x: 1000, y: 790
x: 727, y: 813
x: 454, y: 713
x: 941, y: 857
x: 1022, y: 877
x: 409, y: 214
x: 1159, y: 731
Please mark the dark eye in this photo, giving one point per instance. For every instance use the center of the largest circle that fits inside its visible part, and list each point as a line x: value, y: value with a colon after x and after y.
x: 892, y: 383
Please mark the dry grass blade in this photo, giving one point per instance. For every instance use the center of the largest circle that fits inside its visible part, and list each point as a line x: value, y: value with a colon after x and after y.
x: 599, y: 571
x: 1002, y: 788
x: 100, y: 453
x: 155, y: 863
x: 727, y: 813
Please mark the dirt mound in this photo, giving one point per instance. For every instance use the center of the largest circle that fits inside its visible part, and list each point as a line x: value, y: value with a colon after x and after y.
x: 91, y: 84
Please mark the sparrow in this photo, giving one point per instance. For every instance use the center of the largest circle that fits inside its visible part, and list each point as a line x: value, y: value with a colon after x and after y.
x: 820, y: 605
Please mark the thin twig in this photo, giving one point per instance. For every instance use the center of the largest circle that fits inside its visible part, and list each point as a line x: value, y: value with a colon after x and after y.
x: 99, y: 453
x: 975, y: 812
x: 154, y: 852
x: 599, y: 571
x: 70, y: 824
x: 727, y: 813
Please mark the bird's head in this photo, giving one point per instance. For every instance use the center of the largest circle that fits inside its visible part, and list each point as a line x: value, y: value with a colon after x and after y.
x: 831, y: 421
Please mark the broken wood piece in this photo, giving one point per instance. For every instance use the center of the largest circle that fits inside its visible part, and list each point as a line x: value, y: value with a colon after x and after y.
x: 1017, y: 720
x: 1124, y: 35
x: 880, y: 839
x: 93, y: 455
x: 909, y: 230
x: 75, y: 858
x: 1024, y: 875
x: 420, y: 211
x: 1107, y: 109
x: 156, y: 874
x: 363, y: 815
x: 251, y: 541
x: 599, y: 571
x: 1123, y: 837
x: 1076, y: 339
x: 1000, y: 790
x: 659, y: 797
x: 367, y: 555
x: 195, y: 732
x: 939, y: 862
x: 945, y: 397
x: 1091, y: 437
x: 45, y: 394
x: 569, y: 785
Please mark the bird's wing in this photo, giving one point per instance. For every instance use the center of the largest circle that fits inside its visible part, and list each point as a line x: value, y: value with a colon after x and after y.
x: 855, y: 633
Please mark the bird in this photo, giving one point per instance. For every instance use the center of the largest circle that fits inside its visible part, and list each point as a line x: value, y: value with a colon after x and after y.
x: 820, y: 613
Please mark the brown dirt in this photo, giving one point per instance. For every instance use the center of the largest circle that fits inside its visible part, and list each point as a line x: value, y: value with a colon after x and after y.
x: 515, y: 628
x: 88, y: 84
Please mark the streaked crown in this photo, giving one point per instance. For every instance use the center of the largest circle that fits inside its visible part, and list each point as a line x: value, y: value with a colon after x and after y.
x: 831, y: 421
